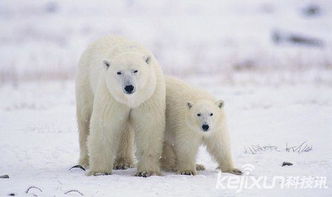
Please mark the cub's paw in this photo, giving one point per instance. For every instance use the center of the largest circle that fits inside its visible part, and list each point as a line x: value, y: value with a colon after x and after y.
x: 145, y: 173
x: 187, y: 172
x: 122, y: 164
x: 234, y: 171
x: 95, y: 173
x: 200, y: 167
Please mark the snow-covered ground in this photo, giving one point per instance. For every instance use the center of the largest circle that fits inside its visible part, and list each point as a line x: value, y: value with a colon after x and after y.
x: 39, y: 142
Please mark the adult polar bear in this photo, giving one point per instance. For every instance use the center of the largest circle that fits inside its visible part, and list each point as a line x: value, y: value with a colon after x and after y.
x: 120, y: 87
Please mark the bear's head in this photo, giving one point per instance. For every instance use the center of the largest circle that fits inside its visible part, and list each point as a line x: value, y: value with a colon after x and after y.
x: 204, y: 116
x: 130, y: 78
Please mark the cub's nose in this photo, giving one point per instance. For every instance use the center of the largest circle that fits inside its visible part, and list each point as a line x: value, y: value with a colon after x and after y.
x: 205, y: 127
x: 129, y: 89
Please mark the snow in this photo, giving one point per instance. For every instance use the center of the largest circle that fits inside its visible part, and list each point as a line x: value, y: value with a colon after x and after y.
x: 44, y: 39
x: 39, y: 141
x: 276, y: 95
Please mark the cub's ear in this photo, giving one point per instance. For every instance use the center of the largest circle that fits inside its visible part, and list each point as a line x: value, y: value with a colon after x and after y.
x: 106, y: 64
x: 220, y: 103
x: 147, y: 59
x: 189, y: 105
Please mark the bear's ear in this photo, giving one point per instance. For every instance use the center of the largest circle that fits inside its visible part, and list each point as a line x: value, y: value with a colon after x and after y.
x: 147, y: 59
x: 189, y: 105
x: 220, y: 103
x: 106, y: 64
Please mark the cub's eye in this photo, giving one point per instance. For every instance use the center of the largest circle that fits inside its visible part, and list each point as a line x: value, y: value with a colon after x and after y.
x: 211, y: 114
x: 119, y: 73
x: 135, y: 71
x: 198, y: 114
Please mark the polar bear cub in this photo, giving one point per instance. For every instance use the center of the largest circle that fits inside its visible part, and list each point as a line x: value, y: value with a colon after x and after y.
x: 120, y: 88
x: 193, y: 118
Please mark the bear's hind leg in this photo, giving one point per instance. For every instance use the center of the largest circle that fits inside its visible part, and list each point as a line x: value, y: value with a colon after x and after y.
x: 200, y: 167
x: 168, y: 158
x: 83, y: 135
x: 124, y: 158
x: 83, y: 113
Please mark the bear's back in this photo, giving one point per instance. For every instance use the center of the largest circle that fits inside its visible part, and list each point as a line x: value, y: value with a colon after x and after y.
x: 180, y: 92
x: 112, y: 46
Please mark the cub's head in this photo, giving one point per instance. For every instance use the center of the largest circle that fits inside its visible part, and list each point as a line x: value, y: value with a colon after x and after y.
x: 204, y: 116
x: 130, y: 78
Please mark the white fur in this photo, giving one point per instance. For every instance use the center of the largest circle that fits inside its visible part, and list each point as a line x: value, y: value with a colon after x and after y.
x: 184, y: 133
x: 109, y: 116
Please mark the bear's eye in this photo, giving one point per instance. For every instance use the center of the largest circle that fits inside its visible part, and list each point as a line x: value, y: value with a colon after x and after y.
x: 198, y: 114
x: 211, y: 114
x: 135, y: 71
x: 119, y: 73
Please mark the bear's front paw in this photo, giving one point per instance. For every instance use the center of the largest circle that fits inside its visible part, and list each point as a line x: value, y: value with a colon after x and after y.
x: 234, y: 171
x: 95, y: 173
x: 187, y: 172
x: 147, y: 173
x: 200, y: 167
x: 122, y: 164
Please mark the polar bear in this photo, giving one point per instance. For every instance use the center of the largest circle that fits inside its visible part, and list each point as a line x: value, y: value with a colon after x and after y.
x: 193, y: 118
x: 120, y: 95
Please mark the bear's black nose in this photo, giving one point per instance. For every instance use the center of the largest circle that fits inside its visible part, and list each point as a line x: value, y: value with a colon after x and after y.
x: 205, y: 127
x: 129, y: 89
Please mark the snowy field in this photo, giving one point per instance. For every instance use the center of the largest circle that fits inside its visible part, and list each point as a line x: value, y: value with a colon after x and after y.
x: 39, y: 142
x: 278, y: 94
